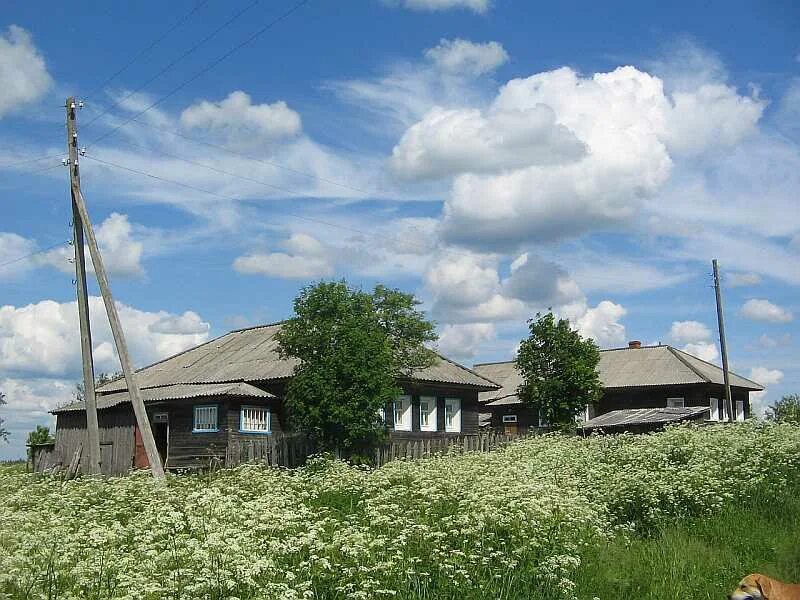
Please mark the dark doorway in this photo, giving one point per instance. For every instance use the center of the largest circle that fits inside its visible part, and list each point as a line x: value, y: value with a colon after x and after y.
x: 160, y: 433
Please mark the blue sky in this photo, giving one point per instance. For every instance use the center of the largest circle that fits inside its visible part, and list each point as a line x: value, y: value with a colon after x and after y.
x: 494, y: 159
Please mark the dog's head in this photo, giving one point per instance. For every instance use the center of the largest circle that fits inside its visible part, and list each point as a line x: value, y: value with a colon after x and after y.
x: 752, y: 587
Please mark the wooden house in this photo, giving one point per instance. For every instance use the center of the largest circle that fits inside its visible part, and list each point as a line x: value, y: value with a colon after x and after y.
x: 644, y: 387
x: 211, y: 397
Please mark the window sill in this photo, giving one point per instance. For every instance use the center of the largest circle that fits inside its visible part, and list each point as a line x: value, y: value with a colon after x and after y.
x: 205, y: 430
x: 402, y: 429
x: 255, y: 432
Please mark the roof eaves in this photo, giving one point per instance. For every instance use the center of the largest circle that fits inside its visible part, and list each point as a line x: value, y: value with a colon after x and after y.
x: 494, y: 384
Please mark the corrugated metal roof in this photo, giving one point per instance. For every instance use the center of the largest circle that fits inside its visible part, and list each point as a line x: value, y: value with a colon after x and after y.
x: 174, y: 392
x: 648, y: 366
x: 643, y: 416
x: 252, y: 355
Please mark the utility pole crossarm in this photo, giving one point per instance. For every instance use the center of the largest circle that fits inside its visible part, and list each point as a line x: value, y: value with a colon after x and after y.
x: 139, y: 409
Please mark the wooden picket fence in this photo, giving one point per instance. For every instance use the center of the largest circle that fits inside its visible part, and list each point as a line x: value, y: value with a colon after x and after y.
x: 292, y: 450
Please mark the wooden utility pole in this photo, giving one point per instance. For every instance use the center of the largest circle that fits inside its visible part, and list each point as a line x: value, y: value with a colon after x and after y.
x: 89, y: 399
x: 722, y: 343
x: 156, y: 468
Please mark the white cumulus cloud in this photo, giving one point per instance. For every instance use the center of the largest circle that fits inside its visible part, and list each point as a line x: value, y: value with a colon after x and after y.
x: 469, y: 58
x: 477, y: 6
x: 759, y: 309
x: 463, y: 341
x: 23, y: 72
x: 706, y: 351
x: 766, y: 377
x: 236, y: 116
x: 685, y: 332
x: 306, y: 259
x: 601, y: 323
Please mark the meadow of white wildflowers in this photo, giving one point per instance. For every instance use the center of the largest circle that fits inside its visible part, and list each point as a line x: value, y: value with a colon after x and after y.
x: 505, y: 524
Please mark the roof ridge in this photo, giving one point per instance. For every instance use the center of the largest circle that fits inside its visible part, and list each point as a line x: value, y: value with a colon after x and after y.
x: 259, y: 326
x: 710, y: 364
x: 675, y: 351
x: 494, y: 362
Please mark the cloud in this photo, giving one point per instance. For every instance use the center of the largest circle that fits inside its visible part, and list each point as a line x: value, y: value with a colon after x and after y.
x: 119, y: 248
x: 463, y: 57
x: 448, y: 142
x: 189, y: 323
x: 463, y: 341
x: 236, y: 117
x: 42, y: 339
x: 767, y: 342
x: 706, y: 351
x: 685, y: 332
x: 766, y: 377
x: 561, y: 154
x: 601, y: 323
x: 307, y: 259
x: 540, y: 282
x: 477, y: 6
x: 12, y: 247
x: 759, y: 309
x: 742, y: 279
x: 23, y: 73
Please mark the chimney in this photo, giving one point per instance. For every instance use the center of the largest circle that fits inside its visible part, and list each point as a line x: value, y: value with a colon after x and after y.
x: 635, y: 344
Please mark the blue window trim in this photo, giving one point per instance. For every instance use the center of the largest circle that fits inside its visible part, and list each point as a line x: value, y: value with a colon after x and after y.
x: 250, y: 431
x: 194, y: 418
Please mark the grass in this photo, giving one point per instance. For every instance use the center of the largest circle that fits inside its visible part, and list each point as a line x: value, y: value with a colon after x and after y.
x: 700, y: 558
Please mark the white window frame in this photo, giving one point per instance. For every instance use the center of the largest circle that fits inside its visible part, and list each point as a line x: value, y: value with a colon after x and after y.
x: 509, y: 418
x: 671, y: 402
x: 432, y: 424
x: 455, y: 425
x: 264, y: 410
x: 739, y: 408
x: 404, y: 422
x: 382, y: 415
x: 205, y: 407
x: 713, y: 409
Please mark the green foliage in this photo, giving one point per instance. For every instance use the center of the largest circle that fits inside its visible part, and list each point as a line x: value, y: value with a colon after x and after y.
x: 352, y: 346
x: 559, y: 370
x: 99, y: 379
x: 4, y: 433
x: 530, y: 521
x: 785, y: 410
x: 40, y: 435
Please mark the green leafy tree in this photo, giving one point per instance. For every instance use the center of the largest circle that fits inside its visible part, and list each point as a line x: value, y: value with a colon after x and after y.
x: 785, y: 410
x: 4, y: 433
x: 99, y: 379
x: 40, y: 435
x: 353, y: 346
x: 559, y: 370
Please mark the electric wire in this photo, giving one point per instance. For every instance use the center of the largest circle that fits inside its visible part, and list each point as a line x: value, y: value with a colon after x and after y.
x: 23, y: 257
x: 205, y: 69
x: 117, y: 103
x: 399, y: 242
x: 149, y: 47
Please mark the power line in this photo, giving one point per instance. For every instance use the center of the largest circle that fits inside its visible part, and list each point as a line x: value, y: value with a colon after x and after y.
x: 399, y: 242
x: 30, y: 160
x: 149, y: 47
x: 205, y: 69
x: 252, y: 158
x: 42, y: 251
x: 171, y: 64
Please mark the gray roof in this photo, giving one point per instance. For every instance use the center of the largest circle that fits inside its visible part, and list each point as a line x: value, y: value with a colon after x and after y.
x: 643, y: 416
x: 173, y: 392
x: 252, y: 355
x: 649, y: 366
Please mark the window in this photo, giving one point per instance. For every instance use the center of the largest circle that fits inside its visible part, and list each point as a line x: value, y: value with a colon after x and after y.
x: 674, y: 402
x: 509, y: 418
x: 402, y: 413
x: 382, y: 415
x: 740, y: 410
x: 452, y: 414
x: 427, y: 413
x: 713, y: 409
x: 254, y: 419
x: 205, y: 419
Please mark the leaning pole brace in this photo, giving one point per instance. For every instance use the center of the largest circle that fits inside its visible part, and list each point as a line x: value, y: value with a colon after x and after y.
x: 139, y: 410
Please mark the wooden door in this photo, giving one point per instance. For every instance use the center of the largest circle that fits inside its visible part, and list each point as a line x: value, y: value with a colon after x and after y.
x: 510, y: 428
x: 160, y: 434
x: 139, y: 455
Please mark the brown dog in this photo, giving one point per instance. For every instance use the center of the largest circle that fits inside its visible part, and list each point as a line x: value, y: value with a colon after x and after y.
x: 761, y: 587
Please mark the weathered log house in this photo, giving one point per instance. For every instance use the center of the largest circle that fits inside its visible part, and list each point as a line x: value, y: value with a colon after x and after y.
x: 636, y: 380
x: 211, y: 397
